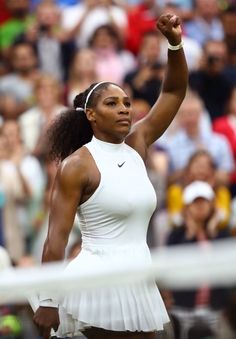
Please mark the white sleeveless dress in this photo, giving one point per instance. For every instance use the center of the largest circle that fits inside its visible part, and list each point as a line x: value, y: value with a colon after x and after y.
x: 113, y: 224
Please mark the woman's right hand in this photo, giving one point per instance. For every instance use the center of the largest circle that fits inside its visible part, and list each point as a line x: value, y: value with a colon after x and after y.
x: 46, y: 319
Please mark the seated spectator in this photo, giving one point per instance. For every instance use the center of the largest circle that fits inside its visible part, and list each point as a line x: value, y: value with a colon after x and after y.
x: 16, y: 88
x: 199, y: 226
x: 226, y: 125
x: 82, y: 73
x: 200, y: 167
x: 192, y: 136
x: 112, y: 61
x: 82, y: 19
x: 213, y: 81
x: 206, y: 24
x: 34, y: 122
x: 145, y: 81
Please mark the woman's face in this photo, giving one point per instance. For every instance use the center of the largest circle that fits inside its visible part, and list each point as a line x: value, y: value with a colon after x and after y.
x: 111, y: 118
x: 200, y: 209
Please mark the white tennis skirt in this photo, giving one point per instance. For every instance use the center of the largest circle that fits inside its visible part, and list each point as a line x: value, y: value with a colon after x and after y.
x: 119, y: 307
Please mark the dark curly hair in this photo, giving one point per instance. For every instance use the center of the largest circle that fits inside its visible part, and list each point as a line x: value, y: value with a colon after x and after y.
x: 71, y: 129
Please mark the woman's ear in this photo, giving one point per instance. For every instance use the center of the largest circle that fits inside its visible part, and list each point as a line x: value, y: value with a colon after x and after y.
x: 90, y: 115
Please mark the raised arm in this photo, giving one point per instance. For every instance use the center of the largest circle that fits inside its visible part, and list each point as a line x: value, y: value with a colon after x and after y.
x: 174, y: 85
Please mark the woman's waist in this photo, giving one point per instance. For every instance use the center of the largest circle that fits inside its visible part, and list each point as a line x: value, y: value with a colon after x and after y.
x: 110, y: 247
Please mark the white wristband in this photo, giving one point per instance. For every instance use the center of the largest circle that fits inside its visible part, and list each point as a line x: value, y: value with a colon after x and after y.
x: 175, y: 47
x: 48, y: 303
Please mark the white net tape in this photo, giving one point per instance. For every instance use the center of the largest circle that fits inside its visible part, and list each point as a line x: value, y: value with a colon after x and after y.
x: 175, y: 267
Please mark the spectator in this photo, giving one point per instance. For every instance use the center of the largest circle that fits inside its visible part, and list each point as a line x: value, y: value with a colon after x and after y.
x: 16, y: 88
x: 206, y: 24
x: 192, y: 136
x: 82, y: 73
x: 29, y: 168
x: 112, y: 61
x: 145, y: 81
x: 213, y: 82
x: 198, y: 216
x: 16, y: 193
x: 200, y: 167
x: 82, y: 19
x: 35, y: 121
x: 51, y: 42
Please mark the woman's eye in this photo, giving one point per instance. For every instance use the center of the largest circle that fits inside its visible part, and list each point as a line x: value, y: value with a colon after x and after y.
x: 127, y: 104
x: 111, y: 103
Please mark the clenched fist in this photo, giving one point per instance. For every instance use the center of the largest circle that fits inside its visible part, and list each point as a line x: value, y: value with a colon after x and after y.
x: 169, y: 25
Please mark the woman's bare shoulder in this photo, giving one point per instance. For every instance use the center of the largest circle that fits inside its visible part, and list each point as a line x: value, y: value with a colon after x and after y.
x: 75, y: 167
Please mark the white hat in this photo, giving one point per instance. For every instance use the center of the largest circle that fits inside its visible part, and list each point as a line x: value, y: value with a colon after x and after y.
x: 197, y: 189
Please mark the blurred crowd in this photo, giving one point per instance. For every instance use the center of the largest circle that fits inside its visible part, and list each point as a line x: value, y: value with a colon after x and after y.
x: 50, y: 50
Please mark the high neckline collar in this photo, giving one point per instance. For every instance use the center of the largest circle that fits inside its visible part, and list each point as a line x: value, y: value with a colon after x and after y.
x: 107, y: 146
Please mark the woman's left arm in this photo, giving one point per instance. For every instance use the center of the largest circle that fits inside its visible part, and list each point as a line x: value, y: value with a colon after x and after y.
x: 150, y: 128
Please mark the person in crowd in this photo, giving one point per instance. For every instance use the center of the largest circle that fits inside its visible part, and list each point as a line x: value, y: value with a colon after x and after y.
x: 144, y: 82
x: 199, y: 217
x: 206, y: 24
x: 34, y: 122
x: 95, y: 141
x: 30, y: 168
x: 112, y: 61
x: 82, y: 72
x: 16, y: 87
x: 199, y: 167
x: 53, y: 45
x: 213, y: 81
x: 193, y: 135
x: 82, y: 19
x: 16, y: 192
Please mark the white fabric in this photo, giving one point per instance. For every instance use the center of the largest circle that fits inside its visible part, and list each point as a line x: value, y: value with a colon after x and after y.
x: 113, y: 224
